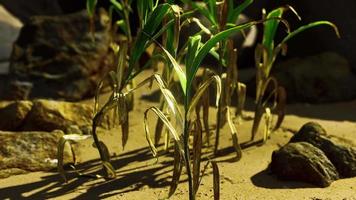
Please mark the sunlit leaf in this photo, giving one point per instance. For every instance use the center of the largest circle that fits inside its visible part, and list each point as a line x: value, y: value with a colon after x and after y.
x: 235, y: 140
x: 203, y: 87
x: 168, y: 125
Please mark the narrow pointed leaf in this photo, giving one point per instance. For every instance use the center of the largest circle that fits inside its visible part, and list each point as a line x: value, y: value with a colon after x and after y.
x: 308, y: 26
x: 216, y: 182
x: 235, y: 13
x: 177, y: 170
x: 205, y: 49
x: 168, y: 125
x: 203, y: 87
x: 235, y: 140
x: 281, y: 107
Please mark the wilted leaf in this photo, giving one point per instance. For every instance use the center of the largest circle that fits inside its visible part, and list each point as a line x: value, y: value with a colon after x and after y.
x: 197, y: 144
x: 177, y: 170
x: 216, y: 183
x: 235, y: 140
x: 202, y: 88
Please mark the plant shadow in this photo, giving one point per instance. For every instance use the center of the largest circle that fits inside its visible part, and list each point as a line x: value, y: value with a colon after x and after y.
x: 131, y: 179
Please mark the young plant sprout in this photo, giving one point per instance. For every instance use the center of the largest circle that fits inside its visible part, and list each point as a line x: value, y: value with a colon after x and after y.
x: 222, y: 16
x: 267, y: 88
x: 166, y: 20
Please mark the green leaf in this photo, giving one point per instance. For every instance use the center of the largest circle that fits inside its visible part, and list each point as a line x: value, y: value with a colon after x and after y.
x: 308, y: 26
x: 205, y: 49
x: 234, y: 13
x: 271, y: 26
x: 91, y: 4
x: 149, y: 29
x: 200, y: 91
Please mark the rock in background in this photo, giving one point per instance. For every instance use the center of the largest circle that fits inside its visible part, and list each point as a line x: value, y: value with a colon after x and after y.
x: 58, y: 57
x: 9, y: 28
x: 326, y: 77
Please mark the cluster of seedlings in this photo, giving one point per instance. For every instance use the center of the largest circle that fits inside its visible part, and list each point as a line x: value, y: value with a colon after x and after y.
x: 160, y: 24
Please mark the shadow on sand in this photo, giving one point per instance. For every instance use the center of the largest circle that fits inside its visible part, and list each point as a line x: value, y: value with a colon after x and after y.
x: 127, y: 180
x: 265, y: 179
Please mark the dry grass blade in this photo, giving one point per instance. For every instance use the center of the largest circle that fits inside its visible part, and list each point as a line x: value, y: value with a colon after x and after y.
x: 268, y: 123
x: 234, y: 137
x: 60, y: 152
x: 177, y: 170
x: 197, y: 153
x: 159, y: 125
x: 169, y: 126
x: 241, y: 98
x: 70, y: 138
x: 216, y: 183
x: 259, y: 110
x: 108, y: 168
x: 281, y: 107
x: 203, y: 87
x: 125, y: 131
x: 205, y: 104
x: 167, y: 94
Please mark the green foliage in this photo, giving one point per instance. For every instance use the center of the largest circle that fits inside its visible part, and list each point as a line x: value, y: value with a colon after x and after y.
x: 166, y: 20
x: 265, y: 56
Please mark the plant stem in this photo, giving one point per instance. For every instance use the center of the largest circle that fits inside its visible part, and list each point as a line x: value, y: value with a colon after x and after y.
x: 186, y: 146
x: 187, y: 163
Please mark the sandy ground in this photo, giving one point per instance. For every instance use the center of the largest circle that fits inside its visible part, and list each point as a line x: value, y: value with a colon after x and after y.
x: 141, y: 177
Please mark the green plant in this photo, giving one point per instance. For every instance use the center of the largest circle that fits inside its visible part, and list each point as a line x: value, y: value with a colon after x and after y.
x: 195, y: 54
x: 127, y: 53
x: 222, y: 16
x: 265, y: 56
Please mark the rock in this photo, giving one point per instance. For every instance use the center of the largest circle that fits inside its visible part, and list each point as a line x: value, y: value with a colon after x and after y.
x: 24, y: 10
x: 9, y: 28
x: 303, y: 162
x: 13, y: 115
x: 57, y: 57
x: 49, y: 115
x: 325, y: 77
x: 22, y: 152
x: 341, y: 154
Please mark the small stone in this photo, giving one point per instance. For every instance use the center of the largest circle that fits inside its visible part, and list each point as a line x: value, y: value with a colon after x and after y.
x: 303, y: 162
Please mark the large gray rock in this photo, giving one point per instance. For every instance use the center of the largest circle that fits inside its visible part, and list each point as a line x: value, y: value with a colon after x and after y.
x: 22, y: 152
x: 341, y: 154
x: 325, y: 77
x: 58, y: 57
x: 303, y: 162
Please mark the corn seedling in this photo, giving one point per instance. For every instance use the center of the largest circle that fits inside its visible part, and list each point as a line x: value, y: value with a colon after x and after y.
x: 265, y: 56
x: 128, y: 52
x: 196, y: 52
